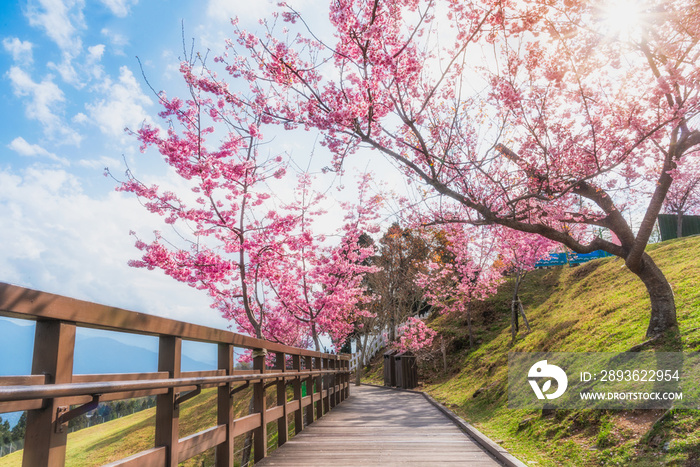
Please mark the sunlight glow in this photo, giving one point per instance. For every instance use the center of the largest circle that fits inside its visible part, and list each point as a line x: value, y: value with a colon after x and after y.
x: 621, y: 18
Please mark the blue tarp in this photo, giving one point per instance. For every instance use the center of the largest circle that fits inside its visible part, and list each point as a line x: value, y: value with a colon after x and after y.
x: 555, y: 259
x: 560, y: 259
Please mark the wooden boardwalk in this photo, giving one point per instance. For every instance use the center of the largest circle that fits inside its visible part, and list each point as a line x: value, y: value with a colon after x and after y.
x: 381, y: 427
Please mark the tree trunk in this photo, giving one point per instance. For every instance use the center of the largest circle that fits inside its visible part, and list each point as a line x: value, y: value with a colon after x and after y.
x: 314, y: 334
x: 392, y: 329
x: 514, y: 325
x: 443, y: 348
x: 679, y: 225
x: 360, y: 361
x: 522, y: 312
x: 469, y: 324
x: 663, y: 305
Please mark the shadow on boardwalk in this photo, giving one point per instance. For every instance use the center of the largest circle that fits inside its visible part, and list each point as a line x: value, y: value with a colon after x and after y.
x: 380, y: 427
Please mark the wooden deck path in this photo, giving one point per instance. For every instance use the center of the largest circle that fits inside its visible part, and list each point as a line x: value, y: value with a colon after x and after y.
x: 381, y: 427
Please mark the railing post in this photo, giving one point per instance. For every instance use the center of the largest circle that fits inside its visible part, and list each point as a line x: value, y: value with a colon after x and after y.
x: 282, y: 423
x: 309, y: 365
x: 260, y: 406
x: 326, y: 386
x: 343, y: 379
x: 296, y: 386
x: 347, y: 386
x: 45, y: 441
x: 339, y: 380
x: 167, y: 415
x: 225, y: 409
x: 332, y: 393
x: 319, y: 388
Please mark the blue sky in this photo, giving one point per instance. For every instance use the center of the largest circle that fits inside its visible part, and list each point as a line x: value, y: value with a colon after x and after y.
x: 70, y: 83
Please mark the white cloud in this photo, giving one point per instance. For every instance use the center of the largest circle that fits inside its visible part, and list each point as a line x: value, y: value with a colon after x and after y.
x: 95, y: 52
x: 80, y: 118
x: 21, y: 50
x: 22, y: 147
x: 45, y: 100
x: 60, y: 20
x: 67, y: 71
x: 117, y: 41
x: 100, y: 162
x: 124, y: 106
x: 224, y: 10
x: 58, y: 239
x: 119, y: 8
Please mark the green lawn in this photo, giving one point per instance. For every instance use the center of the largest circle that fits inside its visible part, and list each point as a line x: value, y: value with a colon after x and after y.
x: 598, y: 306
x: 129, y: 435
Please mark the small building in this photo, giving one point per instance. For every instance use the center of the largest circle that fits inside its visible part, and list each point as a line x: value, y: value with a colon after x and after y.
x: 668, y: 225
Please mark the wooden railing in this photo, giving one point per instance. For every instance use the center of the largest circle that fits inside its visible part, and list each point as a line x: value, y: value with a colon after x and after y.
x: 52, y: 388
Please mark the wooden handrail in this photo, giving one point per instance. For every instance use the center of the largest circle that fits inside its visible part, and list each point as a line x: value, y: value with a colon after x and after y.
x: 51, y: 388
x: 19, y: 302
x: 48, y: 391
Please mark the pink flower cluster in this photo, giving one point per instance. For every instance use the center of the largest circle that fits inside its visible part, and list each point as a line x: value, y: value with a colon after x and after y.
x: 416, y: 335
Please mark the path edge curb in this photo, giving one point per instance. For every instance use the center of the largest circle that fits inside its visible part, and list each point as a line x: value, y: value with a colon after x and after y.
x: 496, y: 450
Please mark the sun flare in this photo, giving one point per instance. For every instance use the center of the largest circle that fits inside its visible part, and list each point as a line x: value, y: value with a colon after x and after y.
x: 621, y: 18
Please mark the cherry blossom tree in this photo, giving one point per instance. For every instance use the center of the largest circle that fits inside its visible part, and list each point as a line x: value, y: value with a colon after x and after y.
x: 231, y: 242
x: 464, y: 275
x: 529, y: 115
x: 255, y: 255
x: 401, y: 253
x: 320, y: 285
x: 518, y: 253
x: 416, y: 335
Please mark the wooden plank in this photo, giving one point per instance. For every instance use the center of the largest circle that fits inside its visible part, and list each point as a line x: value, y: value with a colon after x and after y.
x: 293, y: 406
x: 167, y: 414
x: 202, y: 374
x: 197, y: 443
x: 9, y: 393
x: 88, y: 378
x: 283, y: 420
x: 23, y: 303
x: 296, y: 406
x: 19, y: 406
x: 274, y: 413
x: 309, y: 399
x: 45, y: 442
x: 245, y: 424
x: 259, y: 407
x: 117, y: 377
x: 154, y: 457
x: 326, y: 404
x: 335, y: 399
x: 23, y: 380
x: 225, y: 409
x: 376, y: 426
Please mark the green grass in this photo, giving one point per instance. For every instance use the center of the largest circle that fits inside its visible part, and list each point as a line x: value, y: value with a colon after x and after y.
x: 134, y: 433
x: 598, y: 306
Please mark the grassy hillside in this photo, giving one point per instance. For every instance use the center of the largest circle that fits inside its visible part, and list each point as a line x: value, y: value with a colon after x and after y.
x: 129, y: 435
x: 598, y: 306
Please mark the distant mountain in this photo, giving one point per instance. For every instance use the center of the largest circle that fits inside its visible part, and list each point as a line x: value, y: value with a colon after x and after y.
x: 105, y: 355
x: 15, y: 348
x: 92, y: 354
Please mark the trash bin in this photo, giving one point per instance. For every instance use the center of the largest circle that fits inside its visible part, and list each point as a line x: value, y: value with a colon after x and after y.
x: 406, y: 370
x: 389, y: 368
